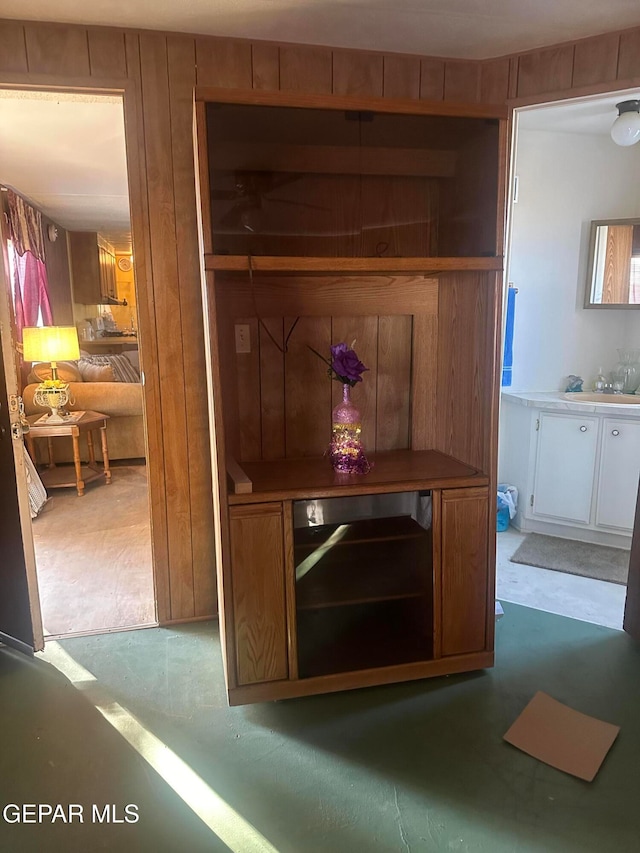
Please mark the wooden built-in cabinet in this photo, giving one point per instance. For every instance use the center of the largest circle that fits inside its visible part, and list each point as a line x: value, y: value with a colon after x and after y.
x: 93, y: 268
x: 320, y: 226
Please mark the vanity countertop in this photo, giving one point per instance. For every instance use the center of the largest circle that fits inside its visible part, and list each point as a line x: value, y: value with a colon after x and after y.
x: 557, y: 401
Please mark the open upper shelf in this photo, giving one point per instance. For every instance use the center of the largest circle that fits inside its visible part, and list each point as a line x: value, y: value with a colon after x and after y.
x: 313, y: 477
x: 351, y: 184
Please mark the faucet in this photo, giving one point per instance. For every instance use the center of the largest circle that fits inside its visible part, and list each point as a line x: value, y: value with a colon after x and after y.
x: 615, y: 386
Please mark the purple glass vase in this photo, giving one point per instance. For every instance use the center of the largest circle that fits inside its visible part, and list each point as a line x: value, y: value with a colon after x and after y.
x: 346, y: 451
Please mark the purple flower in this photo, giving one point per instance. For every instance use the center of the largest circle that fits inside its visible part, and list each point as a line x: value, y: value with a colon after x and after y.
x: 346, y: 364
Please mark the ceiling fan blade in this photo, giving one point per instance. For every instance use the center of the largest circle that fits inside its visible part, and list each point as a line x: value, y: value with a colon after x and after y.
x: 263, y: 182
x: 283, y: 180
x: 224, y: 195
x: 231, y: 219
x: 245, y: 215
x: 297, y: 203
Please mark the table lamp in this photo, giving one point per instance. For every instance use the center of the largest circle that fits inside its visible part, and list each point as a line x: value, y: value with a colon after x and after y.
x: 52, y: 344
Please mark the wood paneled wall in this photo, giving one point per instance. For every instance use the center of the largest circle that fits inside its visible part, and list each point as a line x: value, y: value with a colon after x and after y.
x: 617, y: 264
x: 600, y: 64
x: 158, y: 73
x: 278, y: 415
x: 269, y: 409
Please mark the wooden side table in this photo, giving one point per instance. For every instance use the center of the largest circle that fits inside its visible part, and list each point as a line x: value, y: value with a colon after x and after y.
x: 55, y: 477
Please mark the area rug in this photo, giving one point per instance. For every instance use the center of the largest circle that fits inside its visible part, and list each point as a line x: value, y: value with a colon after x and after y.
x: 575, y: 558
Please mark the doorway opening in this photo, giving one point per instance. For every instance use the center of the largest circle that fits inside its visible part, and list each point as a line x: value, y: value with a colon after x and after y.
x: 568, y: 443
x: 64, y: 177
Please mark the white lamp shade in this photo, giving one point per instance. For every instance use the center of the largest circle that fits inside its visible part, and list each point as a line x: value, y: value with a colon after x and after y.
x: 50, y: 343
x: 626, y: 129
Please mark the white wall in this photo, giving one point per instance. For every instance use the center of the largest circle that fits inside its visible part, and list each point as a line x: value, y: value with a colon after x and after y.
x: 565, y: 180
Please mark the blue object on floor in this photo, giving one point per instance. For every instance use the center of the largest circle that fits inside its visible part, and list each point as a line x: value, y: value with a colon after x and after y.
x: 507, y: 359
x: 506, y: 505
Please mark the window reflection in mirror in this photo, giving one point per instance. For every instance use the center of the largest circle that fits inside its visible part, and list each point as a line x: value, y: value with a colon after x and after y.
x: 614, y: 264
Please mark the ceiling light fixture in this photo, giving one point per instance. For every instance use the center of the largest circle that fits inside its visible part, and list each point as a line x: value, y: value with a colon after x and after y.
x: 626, y: 128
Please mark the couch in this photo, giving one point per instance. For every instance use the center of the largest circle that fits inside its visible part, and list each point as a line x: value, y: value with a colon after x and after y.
x: 122, y: 401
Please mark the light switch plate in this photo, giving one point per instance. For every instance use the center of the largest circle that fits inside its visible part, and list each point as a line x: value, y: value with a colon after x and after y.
x: 243, y: 338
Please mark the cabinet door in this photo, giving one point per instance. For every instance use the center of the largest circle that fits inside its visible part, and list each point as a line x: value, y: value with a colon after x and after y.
x: 112, y: 278
x: 259, y: 610
x: 85, y: 267
x: 102, y: 255
x: 464, y: 566
x: 565, y: 467
x: 619, y: 474
x: 107, y: 274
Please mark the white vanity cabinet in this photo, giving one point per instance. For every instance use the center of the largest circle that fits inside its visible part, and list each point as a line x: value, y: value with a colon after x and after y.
x: 619, y: 473
x: 576, y: 467
x: 565, y: 466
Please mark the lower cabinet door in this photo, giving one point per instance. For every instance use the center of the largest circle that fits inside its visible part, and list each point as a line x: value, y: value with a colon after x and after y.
x: 619, y: 474
x: 565, y: 467
x: 259, y: 610
x: 464, y: 567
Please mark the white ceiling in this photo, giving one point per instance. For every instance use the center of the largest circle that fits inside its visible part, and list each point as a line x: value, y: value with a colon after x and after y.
x: 474, y: 29
x: 66, y: 154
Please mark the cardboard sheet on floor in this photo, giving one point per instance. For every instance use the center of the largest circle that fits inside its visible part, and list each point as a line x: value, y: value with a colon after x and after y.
x: 564, y: 738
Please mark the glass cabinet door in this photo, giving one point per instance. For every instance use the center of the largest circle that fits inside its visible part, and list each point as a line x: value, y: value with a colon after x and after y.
x: 292, y: 182
x: 364, y: 582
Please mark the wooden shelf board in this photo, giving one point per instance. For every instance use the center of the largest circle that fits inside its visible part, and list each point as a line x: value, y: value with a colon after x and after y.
x: 424, y: 266
x: 349, y: 602
x: 360, y: 531
x: 382, y: 570
x: 64, y: 476
x: 395, y: 471
x: 317, y: 159
x: 393, y: 537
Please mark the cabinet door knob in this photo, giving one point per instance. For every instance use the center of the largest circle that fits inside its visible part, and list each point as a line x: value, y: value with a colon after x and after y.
x: 583, y: 428
x: 615, y: 432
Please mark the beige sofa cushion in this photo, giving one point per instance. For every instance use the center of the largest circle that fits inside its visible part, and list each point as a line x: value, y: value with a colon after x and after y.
x: 95, y: 372
x: 67, y: 372
x: 115, y: 399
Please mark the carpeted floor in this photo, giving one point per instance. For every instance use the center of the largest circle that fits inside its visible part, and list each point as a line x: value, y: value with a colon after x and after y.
x: 575, y: 558
x: 93, y: 555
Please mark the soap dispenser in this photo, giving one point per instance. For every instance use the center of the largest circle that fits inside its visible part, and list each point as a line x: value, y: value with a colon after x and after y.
x: 600, y: 382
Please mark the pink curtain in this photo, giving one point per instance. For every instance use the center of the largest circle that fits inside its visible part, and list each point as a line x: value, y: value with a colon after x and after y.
x: 30, y: 292
x: 30, y: 285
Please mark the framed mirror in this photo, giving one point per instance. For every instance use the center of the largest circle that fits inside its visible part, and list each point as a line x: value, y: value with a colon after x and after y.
x: 613, y: 278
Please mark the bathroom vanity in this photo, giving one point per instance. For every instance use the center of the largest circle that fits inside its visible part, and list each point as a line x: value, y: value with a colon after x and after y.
x: 576, y: 463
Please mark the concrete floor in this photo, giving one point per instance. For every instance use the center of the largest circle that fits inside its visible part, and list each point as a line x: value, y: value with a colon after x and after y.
x: 594, y: 601
x: 412, y: 767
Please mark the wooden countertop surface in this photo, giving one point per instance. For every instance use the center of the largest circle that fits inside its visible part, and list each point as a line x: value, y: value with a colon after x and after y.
x: 313, y: 477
